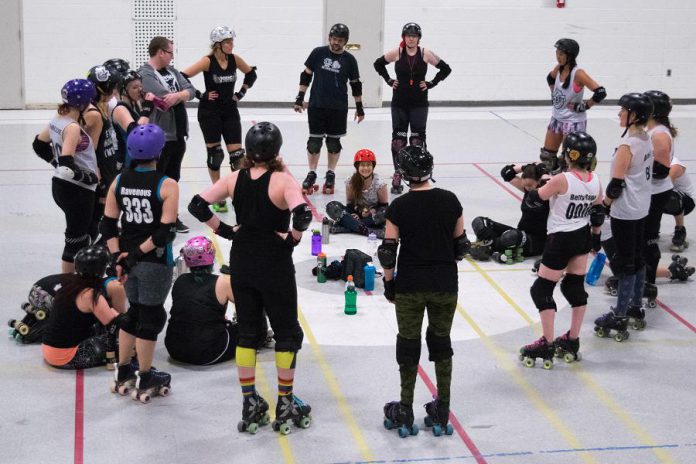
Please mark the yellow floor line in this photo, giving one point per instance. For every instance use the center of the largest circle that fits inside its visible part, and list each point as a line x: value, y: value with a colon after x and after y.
x: 336, y: 390
x: 269, y: 394
x: 503, y: 358
x: 502, y: 269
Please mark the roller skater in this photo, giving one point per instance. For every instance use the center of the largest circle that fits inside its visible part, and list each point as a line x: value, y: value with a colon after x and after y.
x: 399, y: 416
x: 567, y: 348
x: 309, y: 185
x: 291, y: 409
x: 636, y: 317
x: 329, y: 183
x: 610, y: 321
x: 541, y: 349
x: 254, y: 414
x: 437, y: 417
x: 124, y: 377
x: 149, y: 384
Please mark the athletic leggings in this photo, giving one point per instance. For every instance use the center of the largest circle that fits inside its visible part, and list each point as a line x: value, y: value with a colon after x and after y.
x: 169, y: 162
x: 652, y: 232
x: 402, y: 118
x: 90, y: 353
x: 77, y: 204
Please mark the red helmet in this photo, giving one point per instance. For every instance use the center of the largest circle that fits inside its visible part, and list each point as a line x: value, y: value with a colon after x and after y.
x: 364, y: 155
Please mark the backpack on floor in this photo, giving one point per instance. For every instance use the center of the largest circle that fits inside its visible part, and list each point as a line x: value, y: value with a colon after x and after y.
x: 353, y: 264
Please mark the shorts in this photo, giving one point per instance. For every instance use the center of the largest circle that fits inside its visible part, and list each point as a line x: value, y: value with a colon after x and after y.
x: 149, y: 283
x: 223, y: 123
x: 565, y: 128
x: 325, y: 122
x: 562, y: 246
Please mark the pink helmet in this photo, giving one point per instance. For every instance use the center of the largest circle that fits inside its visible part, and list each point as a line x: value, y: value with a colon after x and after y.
x: 198, y: 251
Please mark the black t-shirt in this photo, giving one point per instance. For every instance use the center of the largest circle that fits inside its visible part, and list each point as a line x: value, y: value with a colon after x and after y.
x: 410, y: 71
x: 331, y: 73
x: 221, y: 81
x: 107, y: 152
x: 533, y: 220
x: 426, y: 221
x: 180, y: 117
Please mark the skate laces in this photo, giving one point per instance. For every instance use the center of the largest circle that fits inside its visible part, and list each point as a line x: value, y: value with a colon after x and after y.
x: 540, y: 343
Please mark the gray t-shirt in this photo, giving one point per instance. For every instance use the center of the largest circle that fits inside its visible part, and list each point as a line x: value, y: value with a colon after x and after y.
x: 370, y: 194
x: 634, y: 201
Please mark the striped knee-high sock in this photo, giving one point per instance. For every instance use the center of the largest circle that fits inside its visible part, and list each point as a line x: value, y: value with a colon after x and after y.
x: 285, y: 364
x: 246, y: 369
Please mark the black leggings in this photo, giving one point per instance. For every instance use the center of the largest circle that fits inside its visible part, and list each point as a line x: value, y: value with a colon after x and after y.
x: 90, y: 353
x: 629, y: 239
x: 534, y: 246
x: 402, y: 118
x: 652, y: 233
x: 169, y: 162
x: 77, y: 204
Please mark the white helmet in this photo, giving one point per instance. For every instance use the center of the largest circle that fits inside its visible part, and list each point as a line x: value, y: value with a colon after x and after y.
x: 221, y: 33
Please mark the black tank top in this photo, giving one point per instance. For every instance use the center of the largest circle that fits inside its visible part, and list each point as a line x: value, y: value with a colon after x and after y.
x: 255, y: 211
x: 121, y: 132
x: 221, y: 81
x: 410, y: 71
x: 107, y: 151
x: 138, y: 196
x: 533, y: 220
x: 68, y: 326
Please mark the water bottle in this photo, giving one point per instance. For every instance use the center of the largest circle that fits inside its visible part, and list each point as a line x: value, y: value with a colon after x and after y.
x: 595, y: 268
x: 351, y: 297
x: 316, y: 242
x: 325, y: 230
x: 321, y: 268
x: 369, y: 276
x: 372, y: 244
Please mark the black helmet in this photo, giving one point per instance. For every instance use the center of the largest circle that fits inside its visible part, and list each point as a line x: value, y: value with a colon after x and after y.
x: 339, y: 30
x: 581, y: 149
x: 104, y: 80
x: 263, y: 141
x: 568, y: 46
x: 128, y: 77
x: 118, y: 65
x: 91, y: 261
x: 411, y: 29
x: 638, y: 104
x: 415, y: 164
x: 661, y: 103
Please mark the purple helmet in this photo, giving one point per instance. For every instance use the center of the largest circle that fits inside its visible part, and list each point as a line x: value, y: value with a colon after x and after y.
x: 78, y: 92
x: 145, y: 142
x: 198, y: 251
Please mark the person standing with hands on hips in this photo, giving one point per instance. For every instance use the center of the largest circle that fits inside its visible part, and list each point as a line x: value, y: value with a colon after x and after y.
x: 331, y: 67
x: 429, y: 224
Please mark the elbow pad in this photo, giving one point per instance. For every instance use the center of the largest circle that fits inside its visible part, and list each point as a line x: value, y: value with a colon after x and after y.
x: 108, y: 228
x: 164, y: 234
x: 250, y: 77
x: 445, y: 71
x: 597, y: 215
x: 380, y: 65
x: 550, y: 79
x: 386, y: 253
x: 301, y: 217
x: 461, y: 246
x: 356, y: 87
x: 532, y: 200
x: 305, y: 79
x: 66, y: 164
x: 200, y: 209
x: 614, y: 188
x: 599, y: 94
x: 659, y: 170
x: 44, y: 150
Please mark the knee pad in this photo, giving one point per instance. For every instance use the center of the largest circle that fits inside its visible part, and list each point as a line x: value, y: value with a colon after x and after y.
x: 314, y: 145
x: 439, y: 348
x: 291, y: 342
x: 549, y: 158
x: 236, y: 157
x: 482, y: 228
x: 407, y: 351
x: 129, y: 321
x: 333, y: 145
x: 674, y: 204
x: 542, y: 294
x: 215, y: 157
x: 151, y: 323
x: 335, y: 210
x: 512, y: 238
x: 285, y: 359
x: 73, y: 245
x: 573, y: 289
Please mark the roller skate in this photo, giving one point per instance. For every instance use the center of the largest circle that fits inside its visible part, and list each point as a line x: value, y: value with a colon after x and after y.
x: 396, y: 187
x: 254, y: 414
x: 309, y: 185
x: 329, y: 183
x: 650, y: 294
x: 30, y: 328
x: 220, y: 207
x: 611, y: 286
x: 541, y: 348
x: 438, y: 417
x: 291, y: 409
x: 399, y: 416
x: 567, y: 348
x: 679, y: 242
x: 636, y: 317
x: 124, y: 377
x: 606, y: 323
x: 679, y: 270
x: 151, y: 383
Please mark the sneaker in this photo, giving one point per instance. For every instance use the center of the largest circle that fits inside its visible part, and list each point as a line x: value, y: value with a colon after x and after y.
x: 181, y: 228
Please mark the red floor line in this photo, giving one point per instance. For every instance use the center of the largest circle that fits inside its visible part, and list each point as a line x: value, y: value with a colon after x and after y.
x: 454, y: 421
x: 674, y: 314
x: 317, y: 215
x: 79, y: 416
x: 505, y: 187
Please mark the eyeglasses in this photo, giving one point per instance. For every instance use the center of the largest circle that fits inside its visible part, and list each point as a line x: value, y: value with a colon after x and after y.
x: 167, y: 51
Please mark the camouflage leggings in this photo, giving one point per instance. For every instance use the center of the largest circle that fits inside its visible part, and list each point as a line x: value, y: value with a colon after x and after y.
x: 410, y: 308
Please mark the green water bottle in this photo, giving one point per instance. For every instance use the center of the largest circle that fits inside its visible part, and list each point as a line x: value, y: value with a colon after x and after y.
x: 321, y: 267
x: 351, y: 297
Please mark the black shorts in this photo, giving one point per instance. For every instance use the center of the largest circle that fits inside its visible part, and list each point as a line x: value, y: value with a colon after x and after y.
x: 324, y: 122
x: 562, y: 246
x: 220, y: 123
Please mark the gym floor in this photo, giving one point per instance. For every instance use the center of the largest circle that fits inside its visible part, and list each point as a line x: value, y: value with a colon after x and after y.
x: 623, y: 403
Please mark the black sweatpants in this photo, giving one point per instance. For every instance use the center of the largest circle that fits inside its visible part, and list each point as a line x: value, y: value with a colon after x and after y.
x: 77, y: 204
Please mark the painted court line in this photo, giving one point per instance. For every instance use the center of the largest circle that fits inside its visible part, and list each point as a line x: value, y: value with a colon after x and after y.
x: 79, y: 416
x: 500, y: 184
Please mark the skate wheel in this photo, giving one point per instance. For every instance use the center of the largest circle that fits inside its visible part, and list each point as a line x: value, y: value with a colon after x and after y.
x: 428, y: 421
x: 388, y: 424
x: 123, y: 390
x: 599, y: 331
x: 305, y: 422
x: 145, y: 398
x: 284, y: 429
x: 651, y: 304
x: 548, y: 364
x: 638, y: 325
x: 403, y: 431
x: 614, y: 292
x: 112, y: 387
x: 241, y: 427
x: 437, y: 430
x: 621, y: 336
x: 568, y: 357
x: 23, y: 329
x: 40, y: 315
x: 253, y: 428
x: 529, y: 362
x: 164, y: 391
x: 449, y: 430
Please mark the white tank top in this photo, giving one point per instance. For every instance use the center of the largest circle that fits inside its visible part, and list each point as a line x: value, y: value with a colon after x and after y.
x: 85, y: 156
x: 563, y: 97
x: 662, y: 185
x: 571, y: 210
x: 683, y: 183
x: 634, y: 201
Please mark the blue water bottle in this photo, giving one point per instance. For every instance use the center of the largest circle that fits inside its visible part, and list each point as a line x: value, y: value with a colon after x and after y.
x: 369, y: 276
x: 596, y: 269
